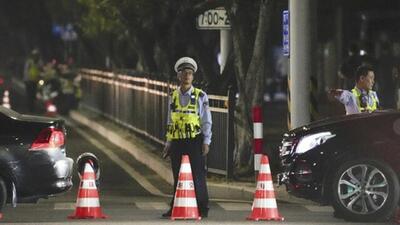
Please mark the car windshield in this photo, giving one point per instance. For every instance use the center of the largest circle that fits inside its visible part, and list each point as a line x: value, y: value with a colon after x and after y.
x: 9, y: 112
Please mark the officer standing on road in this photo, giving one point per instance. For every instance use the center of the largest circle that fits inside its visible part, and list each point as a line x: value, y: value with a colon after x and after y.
x: 189, y: 131
x: 361, y: 98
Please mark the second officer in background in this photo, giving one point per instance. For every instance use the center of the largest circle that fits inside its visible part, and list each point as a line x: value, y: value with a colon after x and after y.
x: 361, y: 98
x: 189, y: 131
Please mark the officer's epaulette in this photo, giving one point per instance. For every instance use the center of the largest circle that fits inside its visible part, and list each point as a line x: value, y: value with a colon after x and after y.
x: 201, y: 94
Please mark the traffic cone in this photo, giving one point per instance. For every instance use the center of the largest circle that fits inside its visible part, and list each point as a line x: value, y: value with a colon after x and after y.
x: 264, y: 204
x: 185, y: 203
x: 6, y: 99
x: 87, y: 203
x: 51, y: 109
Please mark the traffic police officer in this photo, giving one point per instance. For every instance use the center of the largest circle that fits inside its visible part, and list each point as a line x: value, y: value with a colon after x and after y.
x: 189, y: 131
x: 361, y: 98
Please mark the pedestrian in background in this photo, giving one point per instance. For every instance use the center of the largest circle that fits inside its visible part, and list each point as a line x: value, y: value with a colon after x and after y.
x: 396, y: 73
x: 189, y: 131
x: 32, y: 70
x: 361, y: 98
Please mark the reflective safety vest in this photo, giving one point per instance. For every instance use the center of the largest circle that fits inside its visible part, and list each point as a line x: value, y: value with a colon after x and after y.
x: 367, y: 108
x: 33, y: 71
x: 185, y: 119
x: 67, y: 86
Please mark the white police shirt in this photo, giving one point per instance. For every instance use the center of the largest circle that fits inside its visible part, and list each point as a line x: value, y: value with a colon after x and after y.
x: 350, y: 102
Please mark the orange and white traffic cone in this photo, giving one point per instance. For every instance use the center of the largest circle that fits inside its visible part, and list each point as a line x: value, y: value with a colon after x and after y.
x: 87, y: 203
x: 185, y: 204
x: 6, y: 99
x: 51, y: 109
x: 264, y: 204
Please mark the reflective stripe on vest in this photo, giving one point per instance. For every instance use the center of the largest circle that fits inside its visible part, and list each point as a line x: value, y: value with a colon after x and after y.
x: 368, y: 108
x: 185, y: 119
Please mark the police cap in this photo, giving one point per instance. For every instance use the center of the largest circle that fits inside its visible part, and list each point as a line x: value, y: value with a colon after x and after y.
x: 185, y: 63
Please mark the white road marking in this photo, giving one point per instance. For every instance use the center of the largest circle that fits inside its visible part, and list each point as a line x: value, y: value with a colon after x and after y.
x: 229, y: 206
x: 64, y: 206
x: 125, y: 166
x: 152, y: 205
x: 316, y: 208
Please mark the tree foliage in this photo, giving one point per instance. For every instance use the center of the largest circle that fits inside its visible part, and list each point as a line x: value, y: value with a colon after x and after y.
x: 149, y: 35
x: 157, y: 32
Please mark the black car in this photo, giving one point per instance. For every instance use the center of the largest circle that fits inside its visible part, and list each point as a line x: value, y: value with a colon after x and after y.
x: 32, y: 157
x: 351, y: 162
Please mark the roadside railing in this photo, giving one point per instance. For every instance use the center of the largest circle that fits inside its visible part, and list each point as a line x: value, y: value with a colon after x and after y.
x: 140, y: 104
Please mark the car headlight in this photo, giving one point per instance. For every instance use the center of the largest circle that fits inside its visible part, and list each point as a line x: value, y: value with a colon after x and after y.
x: 313, y: 140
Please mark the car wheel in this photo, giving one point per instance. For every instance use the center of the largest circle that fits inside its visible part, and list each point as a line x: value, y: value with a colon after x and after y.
x: 3, y: 194
x: 365, y: 190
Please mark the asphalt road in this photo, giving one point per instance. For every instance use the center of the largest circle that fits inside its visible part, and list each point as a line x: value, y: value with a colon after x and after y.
x: 125, y: 193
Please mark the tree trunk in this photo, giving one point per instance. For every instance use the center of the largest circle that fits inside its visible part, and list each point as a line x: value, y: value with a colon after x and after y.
x: 250, y: 69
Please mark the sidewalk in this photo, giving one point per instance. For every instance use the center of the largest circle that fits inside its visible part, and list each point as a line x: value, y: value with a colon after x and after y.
x: 150, y: 155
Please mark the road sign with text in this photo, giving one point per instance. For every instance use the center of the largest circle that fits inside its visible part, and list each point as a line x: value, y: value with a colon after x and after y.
x: 215, y: 19
x: 285, y: 33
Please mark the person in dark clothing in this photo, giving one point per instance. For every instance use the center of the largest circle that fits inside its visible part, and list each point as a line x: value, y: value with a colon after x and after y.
x: 32, y: 71
x: 386, y: 64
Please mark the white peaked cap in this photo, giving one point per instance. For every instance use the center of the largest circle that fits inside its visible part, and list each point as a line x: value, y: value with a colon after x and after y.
x: 185, y: 62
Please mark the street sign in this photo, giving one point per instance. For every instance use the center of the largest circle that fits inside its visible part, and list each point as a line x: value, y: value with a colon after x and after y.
x: 285, y: 33
x: 215, y: 19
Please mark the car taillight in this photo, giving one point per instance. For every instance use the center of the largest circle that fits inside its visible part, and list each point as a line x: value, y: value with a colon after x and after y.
x: 49, y: 138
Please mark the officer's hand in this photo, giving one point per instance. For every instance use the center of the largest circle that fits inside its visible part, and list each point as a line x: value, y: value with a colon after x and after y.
x: 205, y: 149
x: 166, y: 151
x: 335, y: 92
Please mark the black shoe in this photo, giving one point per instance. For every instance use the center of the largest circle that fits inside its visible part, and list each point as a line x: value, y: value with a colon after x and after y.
x: 167, y: 214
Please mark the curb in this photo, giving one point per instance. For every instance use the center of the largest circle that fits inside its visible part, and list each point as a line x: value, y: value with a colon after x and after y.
x: 223, y: 191
x: 154, y: 162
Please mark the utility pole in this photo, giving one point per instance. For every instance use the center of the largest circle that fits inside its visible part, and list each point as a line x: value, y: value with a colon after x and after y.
x: 301, y: 59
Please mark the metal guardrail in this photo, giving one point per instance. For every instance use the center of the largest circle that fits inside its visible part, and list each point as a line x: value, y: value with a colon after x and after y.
x: 140, y: 104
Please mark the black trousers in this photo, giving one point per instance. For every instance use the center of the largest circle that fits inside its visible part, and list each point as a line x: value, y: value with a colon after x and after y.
x: 191, y: 147
x: 31, y: 89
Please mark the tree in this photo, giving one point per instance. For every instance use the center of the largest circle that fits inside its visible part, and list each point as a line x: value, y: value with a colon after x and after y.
x: 250, y: 67
x: 157, y: 32
x: 151, y: 35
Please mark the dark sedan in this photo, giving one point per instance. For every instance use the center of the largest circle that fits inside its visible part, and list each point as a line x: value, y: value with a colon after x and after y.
x: 351, y: 162
x: 32, y: 157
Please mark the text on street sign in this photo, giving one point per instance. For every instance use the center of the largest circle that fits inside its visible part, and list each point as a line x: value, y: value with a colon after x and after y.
x: 213, y: 19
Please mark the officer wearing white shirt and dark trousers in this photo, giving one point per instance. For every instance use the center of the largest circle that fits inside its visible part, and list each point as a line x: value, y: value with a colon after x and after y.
x: 361, y: 98
x: 189, y: 131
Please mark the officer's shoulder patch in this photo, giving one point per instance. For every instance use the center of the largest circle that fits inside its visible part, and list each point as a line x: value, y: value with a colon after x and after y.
x: 201, y: 94
x: 172, y: 92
